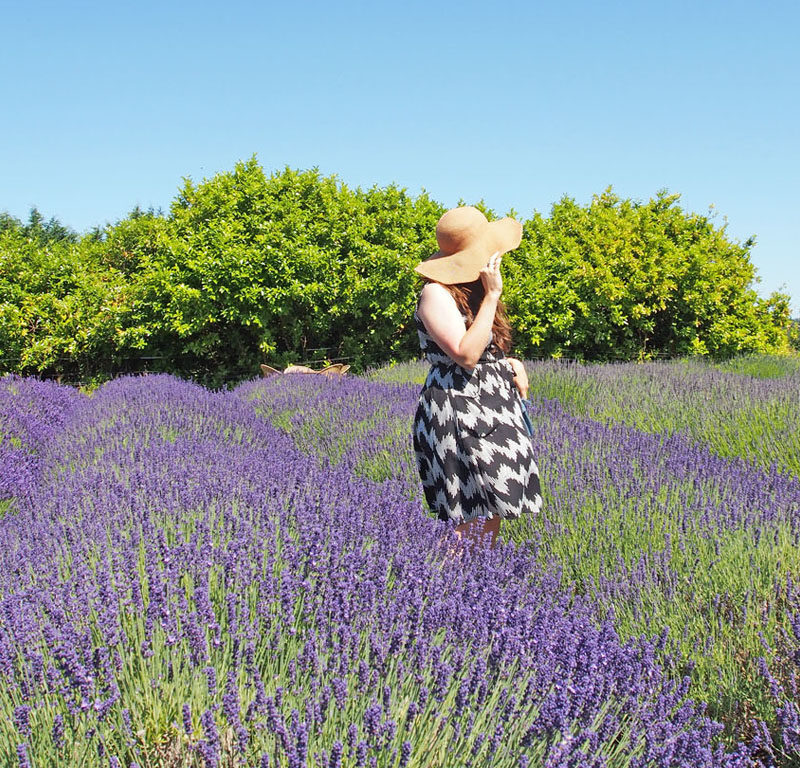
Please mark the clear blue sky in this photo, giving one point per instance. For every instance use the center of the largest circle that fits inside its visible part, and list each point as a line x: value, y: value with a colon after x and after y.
x: 109, y: 105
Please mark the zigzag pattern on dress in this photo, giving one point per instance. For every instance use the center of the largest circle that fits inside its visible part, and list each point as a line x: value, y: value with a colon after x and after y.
x: 474, y: 455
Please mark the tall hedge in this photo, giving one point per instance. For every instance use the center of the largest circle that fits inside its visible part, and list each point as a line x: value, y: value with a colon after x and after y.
x: 248, y: 268
x: 622, y: 280
x: 59, y: 305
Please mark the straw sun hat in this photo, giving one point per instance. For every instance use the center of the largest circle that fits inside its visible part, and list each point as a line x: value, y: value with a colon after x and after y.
x: 466, y: 242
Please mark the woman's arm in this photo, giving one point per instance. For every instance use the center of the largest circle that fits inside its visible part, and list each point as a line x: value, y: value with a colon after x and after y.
x: 438, y: 311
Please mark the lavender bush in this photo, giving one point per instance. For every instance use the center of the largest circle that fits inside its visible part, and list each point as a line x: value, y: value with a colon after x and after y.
x: 31, y: 413
x: 762, y: 366
x: 748, y: 407
x: 735, y: 415
x: 180, y: 585
x: 665, y: 536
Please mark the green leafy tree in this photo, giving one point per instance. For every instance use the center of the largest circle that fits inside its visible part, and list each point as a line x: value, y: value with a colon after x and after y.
x: 281, y: 268
x: 794, y: 334
x: 55, y: 305
x: 619, y: 279
x: 296, y: 267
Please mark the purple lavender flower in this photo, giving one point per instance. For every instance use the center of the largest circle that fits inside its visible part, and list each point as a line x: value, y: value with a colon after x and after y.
x: 22, y: 756
x: 187, y: 719
x: 21, y: 719
x: 301, y: 733
x: 211, y: 678
x: 405, y: 753
x: 339, y: 691
x: 58, y: 732
x: 209, y: 748
x: 335, y: 760
x: 361, y: 754
x: 372, y: 719
x: 230, y: 700
x: 352, y: 736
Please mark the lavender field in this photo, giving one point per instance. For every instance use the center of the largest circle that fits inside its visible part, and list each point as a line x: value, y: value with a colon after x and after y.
x: 250, y: 578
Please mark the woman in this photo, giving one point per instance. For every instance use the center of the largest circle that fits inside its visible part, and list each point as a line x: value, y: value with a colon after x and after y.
x: 474, y: 453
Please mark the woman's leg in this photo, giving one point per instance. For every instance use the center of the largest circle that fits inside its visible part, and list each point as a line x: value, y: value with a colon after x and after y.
x: 492, y: 528
x: 474, y: 530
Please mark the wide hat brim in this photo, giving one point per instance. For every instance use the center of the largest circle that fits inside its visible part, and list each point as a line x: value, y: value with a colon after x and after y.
x: 465, y: 266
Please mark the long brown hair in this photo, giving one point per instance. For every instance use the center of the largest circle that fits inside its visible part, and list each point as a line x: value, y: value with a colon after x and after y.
x: 468, y: 298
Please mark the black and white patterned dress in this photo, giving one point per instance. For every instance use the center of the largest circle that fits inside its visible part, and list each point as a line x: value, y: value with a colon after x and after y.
x: 474, y: 454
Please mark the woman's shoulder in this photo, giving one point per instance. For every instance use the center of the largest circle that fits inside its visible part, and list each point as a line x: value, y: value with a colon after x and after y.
x: 435, y: 299
x: 435, y: 293
x: 433, y: 287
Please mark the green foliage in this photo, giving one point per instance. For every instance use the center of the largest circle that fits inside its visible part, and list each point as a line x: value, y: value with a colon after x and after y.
x: 57, y: 307
x: 794, y: 334
x: 249, y: 268
x: 296, y: 267
x: 37, y: 229
x: 621, y: 280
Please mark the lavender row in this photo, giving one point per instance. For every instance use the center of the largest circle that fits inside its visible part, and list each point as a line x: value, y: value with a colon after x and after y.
x: 31, y: 413
x: 736, y: 415
x: 182, y: 586
x: 665, y: 535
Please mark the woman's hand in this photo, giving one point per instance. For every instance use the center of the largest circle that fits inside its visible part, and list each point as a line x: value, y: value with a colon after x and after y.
x: 490, y: 275
x: 520, y: 375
